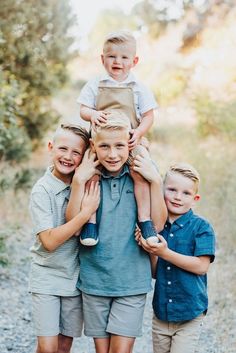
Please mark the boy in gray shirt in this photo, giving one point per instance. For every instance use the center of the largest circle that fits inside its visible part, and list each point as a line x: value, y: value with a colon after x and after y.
x: 56, y: 302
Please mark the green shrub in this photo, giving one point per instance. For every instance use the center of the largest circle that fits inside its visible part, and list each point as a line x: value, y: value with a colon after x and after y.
x: 215, y: 117
x: 170, y: 85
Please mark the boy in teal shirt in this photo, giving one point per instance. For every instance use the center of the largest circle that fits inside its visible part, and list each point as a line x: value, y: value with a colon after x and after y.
x: 115, y: 275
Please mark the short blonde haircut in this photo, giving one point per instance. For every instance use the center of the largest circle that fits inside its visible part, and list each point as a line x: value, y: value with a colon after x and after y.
x: 75, y: 129
x: 120, y: 37
x: 116, y: 120
x: 187, y: 170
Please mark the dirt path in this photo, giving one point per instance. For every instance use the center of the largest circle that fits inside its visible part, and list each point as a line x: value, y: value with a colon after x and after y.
x: 16, y: 329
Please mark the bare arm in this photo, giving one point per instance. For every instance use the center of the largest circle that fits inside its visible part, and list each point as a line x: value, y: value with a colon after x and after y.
x: 54, y: 237
x: 153, y: 261
x: 142, y: 129
x: 146, y: 122
x: 196, y: 264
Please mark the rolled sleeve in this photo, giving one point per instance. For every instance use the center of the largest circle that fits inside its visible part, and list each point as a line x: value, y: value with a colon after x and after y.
x: 146, y: 100
x: 41, y: 212
x: 205, y: 241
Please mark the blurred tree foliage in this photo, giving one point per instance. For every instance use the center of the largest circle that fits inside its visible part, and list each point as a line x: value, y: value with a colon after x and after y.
x: 34, y: 50
x: 111, y: 20
x: 155, y: 15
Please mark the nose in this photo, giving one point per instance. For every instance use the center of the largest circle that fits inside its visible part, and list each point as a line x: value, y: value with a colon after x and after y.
x: 112, y: 153
x: 68, y: 155
x: 117, y: 60
x: 178, y: 196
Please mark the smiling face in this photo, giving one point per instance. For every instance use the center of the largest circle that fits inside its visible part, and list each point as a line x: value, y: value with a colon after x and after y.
x: 111, y: 147
x: 67, y: 151
x: 118, y: 59
x: 180, y: 194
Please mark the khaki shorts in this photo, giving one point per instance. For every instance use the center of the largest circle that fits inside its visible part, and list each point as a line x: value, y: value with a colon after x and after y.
x: 54, y: 314
x: 122, y: 316
x: 176, y: 337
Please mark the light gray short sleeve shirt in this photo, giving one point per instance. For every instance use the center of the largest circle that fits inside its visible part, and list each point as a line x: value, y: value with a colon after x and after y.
x: 55, y: 272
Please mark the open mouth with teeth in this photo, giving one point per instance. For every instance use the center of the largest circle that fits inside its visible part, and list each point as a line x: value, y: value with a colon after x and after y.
x: 66, y: 164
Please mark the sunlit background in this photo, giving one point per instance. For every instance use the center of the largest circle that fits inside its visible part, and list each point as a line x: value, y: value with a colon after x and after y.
x: 187, y: 51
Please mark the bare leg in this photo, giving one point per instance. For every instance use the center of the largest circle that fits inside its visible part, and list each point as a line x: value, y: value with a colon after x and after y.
x: 121, y: 344
x: 102, y: 345
x: 47, y: 344
x: 143, y: 198
x: 64, y: 344
x: 88, y: 236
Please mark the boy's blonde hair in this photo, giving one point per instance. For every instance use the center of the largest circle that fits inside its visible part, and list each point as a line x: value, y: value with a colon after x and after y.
x: 116, y: 120
x: 76, y: 129
x: 120, y: 37
x: 187, y: 170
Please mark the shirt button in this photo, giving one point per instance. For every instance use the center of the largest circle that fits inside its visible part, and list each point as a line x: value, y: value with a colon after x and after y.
x: 114, y: 185
x: 168, y: 268
x: 170, y: 300
x: 171, y: 235
x: 169, y: 282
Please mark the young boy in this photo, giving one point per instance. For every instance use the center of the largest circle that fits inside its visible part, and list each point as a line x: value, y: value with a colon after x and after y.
x: 115, y: 275
x: 120, y: 90
x: 56, y: 301
x: 185, y: 251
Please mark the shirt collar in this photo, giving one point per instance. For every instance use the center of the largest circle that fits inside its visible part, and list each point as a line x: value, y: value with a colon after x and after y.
x: 181, y: 221
x: 130, y: 79
x: 125, y: 170
x: 56, y: 184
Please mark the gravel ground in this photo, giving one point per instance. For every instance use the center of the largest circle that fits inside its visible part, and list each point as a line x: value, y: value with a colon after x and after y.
x: 16, y: 329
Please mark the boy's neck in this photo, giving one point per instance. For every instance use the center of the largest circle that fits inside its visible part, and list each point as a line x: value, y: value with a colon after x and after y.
x: 174, y: 218
x: 120, y: 81
x: 64, y: 178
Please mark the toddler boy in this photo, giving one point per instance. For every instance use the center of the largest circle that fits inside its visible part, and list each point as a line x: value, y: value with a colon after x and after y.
x: 119, y: 89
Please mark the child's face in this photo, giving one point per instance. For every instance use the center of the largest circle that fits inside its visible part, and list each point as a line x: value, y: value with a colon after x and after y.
x: 118, y: 59
x: 180, y: 194
x: 67, y: 151
x: 111, y: 147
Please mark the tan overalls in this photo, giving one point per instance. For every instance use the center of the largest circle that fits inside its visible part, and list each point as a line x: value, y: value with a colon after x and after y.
x: 121, y: 99
x: 118, y: 98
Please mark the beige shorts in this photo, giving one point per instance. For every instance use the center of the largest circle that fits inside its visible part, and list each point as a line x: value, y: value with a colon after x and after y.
x: 176, y: 337
x: 122, y: 316
x: 54, y: 314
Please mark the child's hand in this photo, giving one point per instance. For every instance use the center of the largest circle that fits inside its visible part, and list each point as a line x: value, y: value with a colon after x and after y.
x: 87, y: 168
x: 135, y: 137
x: 98, y: 118
x: 91, y: 198
x: 158, y: 249
x: 144, y: 166
x: 138, y: 235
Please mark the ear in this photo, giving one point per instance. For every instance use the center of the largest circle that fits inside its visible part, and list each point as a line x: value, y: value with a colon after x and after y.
x: 197, y: 197
x: 102, y: 59
x: 92, y: 145
x: 50, y: 146
x: 135, y: 61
